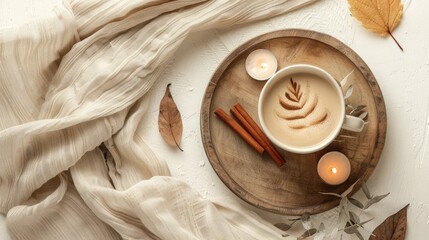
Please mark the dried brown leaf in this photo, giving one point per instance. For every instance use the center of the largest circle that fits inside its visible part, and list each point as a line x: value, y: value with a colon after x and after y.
x: 393, y: 228
x: 381, y: 16
x: 169, y: 120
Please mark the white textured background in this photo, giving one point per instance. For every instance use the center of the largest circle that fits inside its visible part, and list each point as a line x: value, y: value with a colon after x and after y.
x: 403, y: 77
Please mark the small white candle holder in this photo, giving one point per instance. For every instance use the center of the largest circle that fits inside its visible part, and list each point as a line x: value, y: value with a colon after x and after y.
x: 334, y: 168
x: 261, y: 64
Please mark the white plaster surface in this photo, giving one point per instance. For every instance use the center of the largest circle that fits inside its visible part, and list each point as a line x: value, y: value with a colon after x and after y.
x: 403, y: 77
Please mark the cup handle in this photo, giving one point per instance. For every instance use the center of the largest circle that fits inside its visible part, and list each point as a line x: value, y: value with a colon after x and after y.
x: 353, y: 124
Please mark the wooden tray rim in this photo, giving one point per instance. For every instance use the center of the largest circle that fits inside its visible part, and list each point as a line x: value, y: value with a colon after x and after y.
x: 207, y: 101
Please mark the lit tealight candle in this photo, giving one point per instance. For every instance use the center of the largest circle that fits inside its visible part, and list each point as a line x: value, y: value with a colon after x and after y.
x: 261, y: 64
x: 334, y: 168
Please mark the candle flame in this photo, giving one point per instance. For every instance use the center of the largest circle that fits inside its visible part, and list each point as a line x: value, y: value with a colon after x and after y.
x: 334, y: 170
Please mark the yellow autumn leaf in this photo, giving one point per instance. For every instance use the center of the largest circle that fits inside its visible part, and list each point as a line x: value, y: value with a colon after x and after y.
x: 379, y: 16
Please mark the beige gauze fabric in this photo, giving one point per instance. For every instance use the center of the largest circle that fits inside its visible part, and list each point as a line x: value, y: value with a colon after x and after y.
x: 72, y: 93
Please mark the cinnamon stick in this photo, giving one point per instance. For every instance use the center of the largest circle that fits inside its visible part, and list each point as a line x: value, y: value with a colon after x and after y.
x: 252, y: 127
x: 239, y: 130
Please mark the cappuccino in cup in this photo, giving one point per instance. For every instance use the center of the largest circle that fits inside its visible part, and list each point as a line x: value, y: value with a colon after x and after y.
x: 301, y: 109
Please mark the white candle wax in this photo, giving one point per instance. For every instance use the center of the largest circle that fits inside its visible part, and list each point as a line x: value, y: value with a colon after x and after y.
x: 334, y: 168
x: 261, y: 64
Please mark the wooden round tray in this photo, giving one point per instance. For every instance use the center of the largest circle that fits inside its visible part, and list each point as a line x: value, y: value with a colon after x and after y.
x: 294, y: 188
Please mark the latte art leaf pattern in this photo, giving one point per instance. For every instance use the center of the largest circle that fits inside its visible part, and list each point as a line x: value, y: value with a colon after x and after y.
x: 296, y: 92
x: 299, y: 107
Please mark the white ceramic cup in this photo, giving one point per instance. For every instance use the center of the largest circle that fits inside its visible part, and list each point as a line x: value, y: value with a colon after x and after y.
x: 347, y: 122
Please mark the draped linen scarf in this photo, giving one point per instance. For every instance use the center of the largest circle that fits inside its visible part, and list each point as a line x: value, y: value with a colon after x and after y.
x: 73, y: 85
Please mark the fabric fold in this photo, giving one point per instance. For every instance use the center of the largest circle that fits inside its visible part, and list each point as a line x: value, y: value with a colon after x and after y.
x: 74, y: 87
